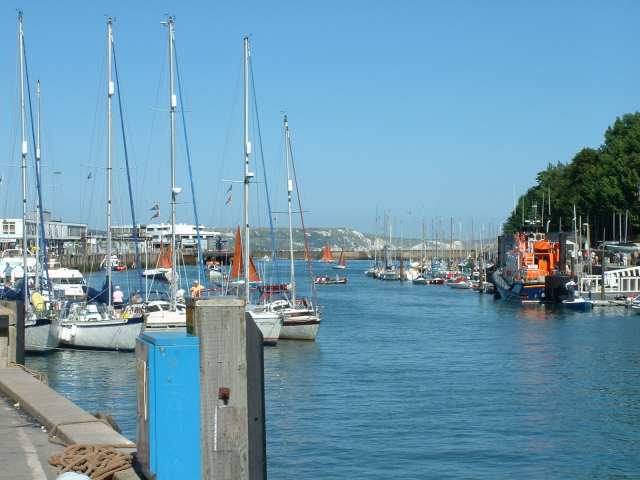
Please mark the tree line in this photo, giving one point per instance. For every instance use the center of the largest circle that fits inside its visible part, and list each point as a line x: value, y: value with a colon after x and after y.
x: 600, y: 182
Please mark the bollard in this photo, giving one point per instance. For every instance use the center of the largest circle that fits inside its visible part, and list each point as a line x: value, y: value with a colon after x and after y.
x: 11, y: 332
x: 233, y: 442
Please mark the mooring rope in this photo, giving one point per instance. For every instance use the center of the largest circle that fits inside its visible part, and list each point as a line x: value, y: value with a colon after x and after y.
x: 34, y: 373
x: 99, y: 462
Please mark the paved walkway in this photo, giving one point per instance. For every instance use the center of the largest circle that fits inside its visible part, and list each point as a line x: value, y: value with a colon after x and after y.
x: 24, y: 447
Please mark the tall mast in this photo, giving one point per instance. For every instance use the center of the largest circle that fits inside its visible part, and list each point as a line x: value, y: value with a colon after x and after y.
x: 23, y: 166
x: 289, y: 190
x: 37, y: 273
x: 174, y: 190
x: 247, y: 174
x: 110, y: 92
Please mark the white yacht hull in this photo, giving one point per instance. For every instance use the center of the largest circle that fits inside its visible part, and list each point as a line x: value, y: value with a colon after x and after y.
x: 389, y: 276
x: 157, y: 273
x: 299, y: 323
x: 118, y: 334
x: 269, y: 323
x: 40, y: 336
x: 215, y: 275
x: 166, y: 320
x: 300, y: 328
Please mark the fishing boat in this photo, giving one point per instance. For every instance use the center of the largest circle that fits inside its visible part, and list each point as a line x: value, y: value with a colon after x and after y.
x: 342, y: 264
x: 327, y: 256
x: 522, y: 279
x: 326, y: 280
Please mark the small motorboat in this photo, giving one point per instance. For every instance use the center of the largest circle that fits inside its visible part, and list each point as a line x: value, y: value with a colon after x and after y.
x: 576, y: 301
x: 420, y: 280
x: 460, y: 283
x: 326, y: 280
x: 578, y: 304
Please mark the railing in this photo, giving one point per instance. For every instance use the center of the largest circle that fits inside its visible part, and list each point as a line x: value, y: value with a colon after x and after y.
x: 622, y: 281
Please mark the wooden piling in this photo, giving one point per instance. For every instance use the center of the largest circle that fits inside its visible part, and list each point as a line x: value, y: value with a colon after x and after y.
x: 11, y: 332
x: 231, y: 390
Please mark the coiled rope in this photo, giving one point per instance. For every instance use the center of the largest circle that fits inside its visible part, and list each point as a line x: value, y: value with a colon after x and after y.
x: 96, y: 461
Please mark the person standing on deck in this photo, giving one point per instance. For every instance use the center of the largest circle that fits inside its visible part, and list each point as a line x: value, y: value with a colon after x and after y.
x: 196, y: 289
x: 117, y: 297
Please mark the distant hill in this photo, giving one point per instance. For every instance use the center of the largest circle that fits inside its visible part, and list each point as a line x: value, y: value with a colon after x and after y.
x: 337, y: 239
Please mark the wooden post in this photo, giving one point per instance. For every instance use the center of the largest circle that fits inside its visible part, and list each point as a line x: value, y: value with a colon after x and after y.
x: 231, y: 390
x: 11, y: 332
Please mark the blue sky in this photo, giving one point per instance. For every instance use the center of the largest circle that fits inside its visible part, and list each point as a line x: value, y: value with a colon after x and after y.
x: 423, y: 109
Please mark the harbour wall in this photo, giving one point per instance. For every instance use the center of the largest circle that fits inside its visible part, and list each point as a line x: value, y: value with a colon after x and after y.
x: 92, y: 262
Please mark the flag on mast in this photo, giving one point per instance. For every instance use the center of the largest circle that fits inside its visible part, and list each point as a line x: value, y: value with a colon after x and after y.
x: 229, y: 193
x: 156, y: 210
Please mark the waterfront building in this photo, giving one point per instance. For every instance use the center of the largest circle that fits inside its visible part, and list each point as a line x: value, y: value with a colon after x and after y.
x: 62, y: 237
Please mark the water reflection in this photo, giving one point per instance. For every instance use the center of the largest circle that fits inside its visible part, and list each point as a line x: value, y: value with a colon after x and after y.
x: 427, y: 382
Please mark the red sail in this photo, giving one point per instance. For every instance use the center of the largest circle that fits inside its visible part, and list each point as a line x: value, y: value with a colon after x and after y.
x: 342, y: 262
x: 164, y: 258
x: 327, y: 257
x: 253, y: 272
x: 236, y: 263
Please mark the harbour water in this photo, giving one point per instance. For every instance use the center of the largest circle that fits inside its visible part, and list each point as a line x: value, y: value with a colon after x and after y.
x: 414, y: 381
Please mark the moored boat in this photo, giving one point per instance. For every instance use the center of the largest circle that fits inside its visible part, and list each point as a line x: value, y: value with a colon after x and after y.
x: 342, y: 264
x: 96, y: 326
x: 326, y: 280
x: 522, y: 279
x: 420, y: 279
x: 327, y: 256
x: 461, y: 282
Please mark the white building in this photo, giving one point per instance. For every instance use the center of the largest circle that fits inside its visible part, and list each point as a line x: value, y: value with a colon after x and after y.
x: 155, y: 233
x: 186, y: 234
x: 60, y: 235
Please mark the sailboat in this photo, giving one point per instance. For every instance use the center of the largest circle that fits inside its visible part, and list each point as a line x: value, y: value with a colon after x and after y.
x: 301, y: 319
x: 93, y: 325
x: 162, y: 271
x: 236, y: 276
x: 342, y: 264
x: 39, y: 334
x: 327, y: 257
x: 162, y: 313
x: 267, y: 321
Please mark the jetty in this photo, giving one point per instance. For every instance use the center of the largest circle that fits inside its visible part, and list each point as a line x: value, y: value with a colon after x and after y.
x: 200, y: 405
